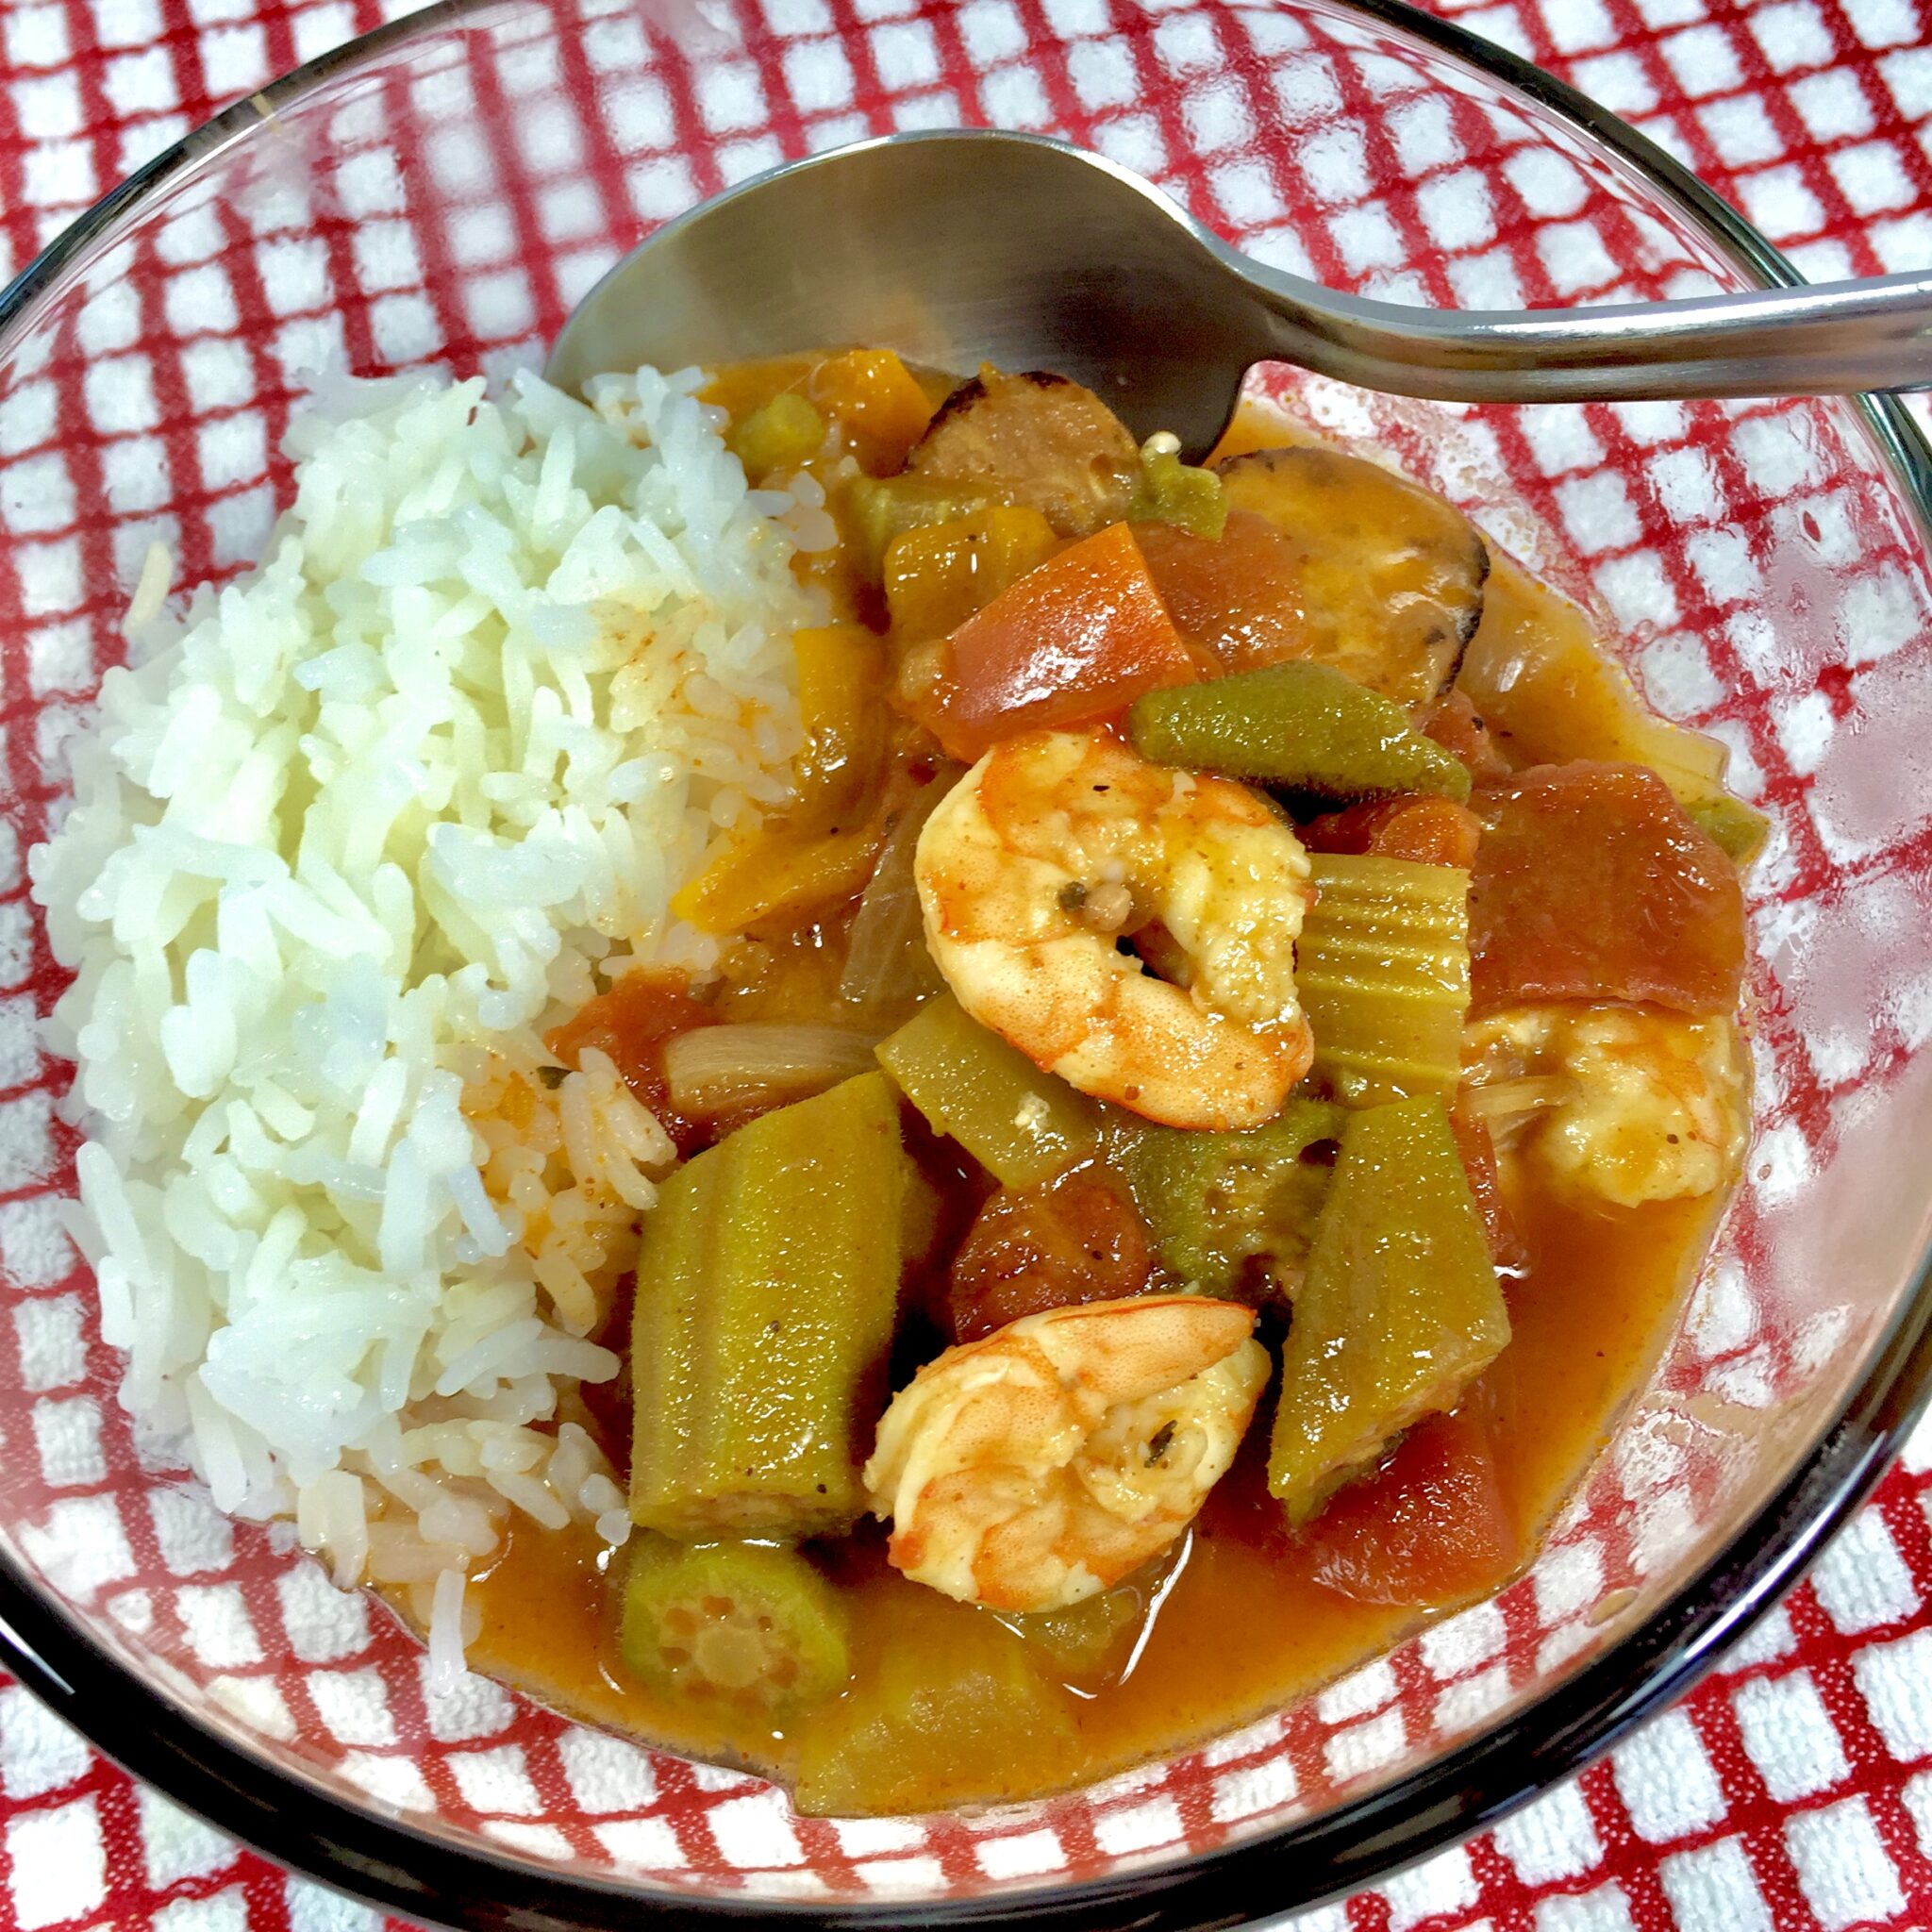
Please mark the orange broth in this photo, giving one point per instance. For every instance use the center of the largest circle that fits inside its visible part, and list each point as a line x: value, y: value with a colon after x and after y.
x: 1244, y: 1628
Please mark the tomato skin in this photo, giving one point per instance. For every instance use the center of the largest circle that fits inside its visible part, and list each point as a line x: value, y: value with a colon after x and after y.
x: 1429, y: 1528
x: 1074, y: 1239
x: 1237, y: 598
x: 1592, y: 883
x: 1478, y: 1151
x: 1431, y: 831
x: 1074, y: 641
x: 1453, y: 723
x: 633, y: 1023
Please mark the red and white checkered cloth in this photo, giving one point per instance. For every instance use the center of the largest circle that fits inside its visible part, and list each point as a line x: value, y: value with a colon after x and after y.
x: 1792, y: 1791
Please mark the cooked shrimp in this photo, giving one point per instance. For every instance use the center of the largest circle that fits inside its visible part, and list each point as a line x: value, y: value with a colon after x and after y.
x: 1629, y: 1104
x: 1055, y: 846
x: 1040, y: 1466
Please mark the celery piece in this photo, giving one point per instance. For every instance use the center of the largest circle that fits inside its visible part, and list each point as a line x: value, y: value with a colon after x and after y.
x: 1172, y: 492
x: 767, y: 1283
x: 753, y: 1623
x: 1021, y: 1124
x: 1740, y: 830
x: 879, y: 509
x: 781, y: 434
x: 1300, y: 726
x: 1382, y: 967
x: 1399, y: 1310
x: 1216, y: 1203
x: 950, y: 1709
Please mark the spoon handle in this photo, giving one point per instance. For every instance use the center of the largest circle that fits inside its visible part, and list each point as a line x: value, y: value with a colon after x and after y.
x: 1831, y: 339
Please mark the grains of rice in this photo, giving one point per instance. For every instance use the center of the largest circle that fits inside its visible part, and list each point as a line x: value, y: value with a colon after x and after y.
x: 446, y: 1630
x: 359, y: 829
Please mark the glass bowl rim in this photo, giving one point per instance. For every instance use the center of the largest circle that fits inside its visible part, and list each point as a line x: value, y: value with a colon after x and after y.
x: 423, y: 1873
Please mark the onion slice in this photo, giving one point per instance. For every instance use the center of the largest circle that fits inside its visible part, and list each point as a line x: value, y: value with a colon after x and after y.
x: 1503, y: 1100
x: 888, y: 969
x: 715, y: 1069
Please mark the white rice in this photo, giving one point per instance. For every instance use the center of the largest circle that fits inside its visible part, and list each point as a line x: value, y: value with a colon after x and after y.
x: 356, y: 832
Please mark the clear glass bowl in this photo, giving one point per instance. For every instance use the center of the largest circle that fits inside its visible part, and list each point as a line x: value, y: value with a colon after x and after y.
x: 441, y: 192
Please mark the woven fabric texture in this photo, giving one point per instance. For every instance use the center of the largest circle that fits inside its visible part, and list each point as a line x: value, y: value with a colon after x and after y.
x: 1793, y: 1790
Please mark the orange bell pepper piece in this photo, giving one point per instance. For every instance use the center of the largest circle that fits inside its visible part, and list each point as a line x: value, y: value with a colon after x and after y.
x: 841, y: 676
x: 877, y: 402
x: 938, y: 577
x: 777, y: 876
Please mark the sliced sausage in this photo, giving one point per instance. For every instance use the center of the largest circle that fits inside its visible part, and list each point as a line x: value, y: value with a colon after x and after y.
x: 1388, y: 577
x: 1039, y: 439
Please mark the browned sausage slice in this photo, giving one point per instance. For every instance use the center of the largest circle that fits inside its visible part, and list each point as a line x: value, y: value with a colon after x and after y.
x: 1390, y: 577
x: 1038, y: 440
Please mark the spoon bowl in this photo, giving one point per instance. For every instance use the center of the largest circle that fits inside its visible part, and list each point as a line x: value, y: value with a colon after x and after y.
x: 959, y: 245
x: 952, y: 248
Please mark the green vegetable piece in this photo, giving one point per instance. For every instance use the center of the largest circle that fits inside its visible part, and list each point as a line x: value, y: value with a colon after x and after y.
x: 767, y: 1283
x: 1219, y: 1205
x: 1740, y: 830
x: 908, y: 1736
x: 781, y: 434
x: 1399, y: 1310
x: 753, y: 1623
x: 1084, y: 1640
x: 1172, y: 492
x: 1020, y: 1123
x: 881, y: 509
x: 1300, y: 726
x: 1382, y: 967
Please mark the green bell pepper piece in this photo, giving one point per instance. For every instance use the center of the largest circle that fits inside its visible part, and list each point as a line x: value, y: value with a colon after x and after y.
x: 1300, y: 726
x: 1021, y: 1124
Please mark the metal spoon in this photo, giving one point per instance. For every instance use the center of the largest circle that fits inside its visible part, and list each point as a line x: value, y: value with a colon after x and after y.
x: 967, y: 244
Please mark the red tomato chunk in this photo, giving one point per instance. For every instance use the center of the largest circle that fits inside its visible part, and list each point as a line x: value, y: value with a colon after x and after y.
x: 1074, y: 641
x: 1237, y: 598
x: 1428, y: 1528
x: 1430, y: 832
x: 633, y: 1023
x: 1592, y: 884
x: 1076, y: 1239
x: 1452, y: 722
